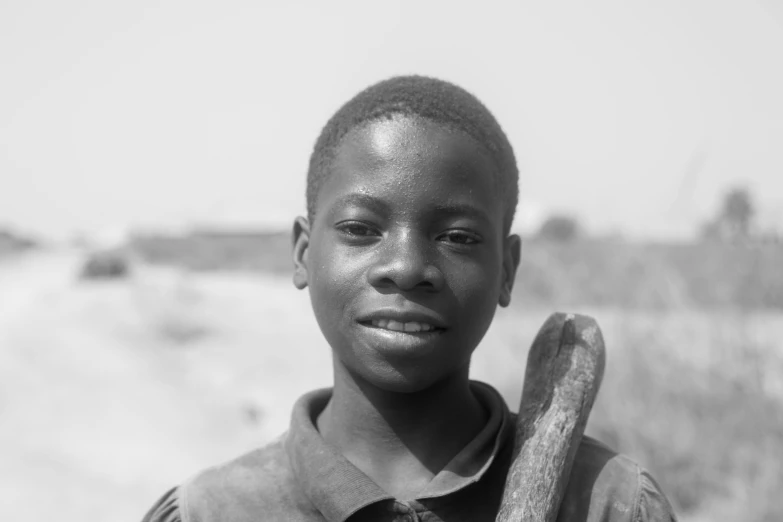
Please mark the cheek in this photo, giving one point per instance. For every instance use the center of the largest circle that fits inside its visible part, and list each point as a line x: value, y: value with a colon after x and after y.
x: 334, y: 278
x: 477, y: 283
x: 477, y: 288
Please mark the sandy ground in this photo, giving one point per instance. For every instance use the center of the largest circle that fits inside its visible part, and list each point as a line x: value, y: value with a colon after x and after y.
x: 112, y: 392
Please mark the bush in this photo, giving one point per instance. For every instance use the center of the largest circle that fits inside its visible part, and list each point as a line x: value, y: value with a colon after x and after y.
x: 651, y: 276
x: 562, y: 229
x: 108, y: 264
x: 11, y: 242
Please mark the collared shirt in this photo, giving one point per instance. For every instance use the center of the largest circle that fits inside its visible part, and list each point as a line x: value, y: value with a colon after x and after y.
x: 299, y: 477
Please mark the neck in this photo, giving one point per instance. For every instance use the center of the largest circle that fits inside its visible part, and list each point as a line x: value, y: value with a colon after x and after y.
x: 400, y: 440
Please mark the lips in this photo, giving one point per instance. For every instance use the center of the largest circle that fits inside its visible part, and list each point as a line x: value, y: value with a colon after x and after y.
x: 403, y: 321
x: 397, y: 326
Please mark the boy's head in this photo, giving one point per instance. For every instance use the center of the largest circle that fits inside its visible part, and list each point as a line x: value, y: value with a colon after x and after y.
x: 411, y: 192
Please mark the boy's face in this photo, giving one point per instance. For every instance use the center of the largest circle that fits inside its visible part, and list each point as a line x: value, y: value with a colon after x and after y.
x: 406, y: 259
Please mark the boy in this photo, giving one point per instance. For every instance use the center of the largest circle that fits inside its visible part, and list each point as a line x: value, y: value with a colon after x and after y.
x: 406, y: 252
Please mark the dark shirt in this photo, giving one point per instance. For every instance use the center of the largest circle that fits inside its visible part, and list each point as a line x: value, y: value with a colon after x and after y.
x: 300, y: 478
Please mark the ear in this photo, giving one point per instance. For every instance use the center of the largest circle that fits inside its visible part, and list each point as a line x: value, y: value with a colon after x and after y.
x: 301, y: 242
x: 512, y: 248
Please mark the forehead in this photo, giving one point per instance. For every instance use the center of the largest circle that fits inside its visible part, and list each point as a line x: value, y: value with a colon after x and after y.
x: 415, y: 161
x: 404, y: 138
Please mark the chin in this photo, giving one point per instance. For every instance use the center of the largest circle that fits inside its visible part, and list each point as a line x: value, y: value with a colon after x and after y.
x: 400, y: 379
x: 384, y: 376
x: 402, y: 385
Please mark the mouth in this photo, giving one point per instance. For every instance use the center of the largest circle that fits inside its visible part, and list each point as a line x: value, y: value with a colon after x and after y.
x: 408, y: 327
x: 408, y: 323
x: 397, y: 332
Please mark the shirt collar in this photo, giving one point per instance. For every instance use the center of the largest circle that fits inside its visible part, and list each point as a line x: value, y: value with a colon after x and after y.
x: 338, y: 489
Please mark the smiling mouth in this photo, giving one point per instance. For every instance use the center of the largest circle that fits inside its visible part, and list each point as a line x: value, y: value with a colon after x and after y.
x: 410, y: 327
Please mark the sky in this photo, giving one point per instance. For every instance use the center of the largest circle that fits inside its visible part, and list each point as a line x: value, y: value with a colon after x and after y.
x: 633, y: 116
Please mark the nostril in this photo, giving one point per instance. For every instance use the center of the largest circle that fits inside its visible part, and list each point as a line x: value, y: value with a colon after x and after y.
x: 385, y: 282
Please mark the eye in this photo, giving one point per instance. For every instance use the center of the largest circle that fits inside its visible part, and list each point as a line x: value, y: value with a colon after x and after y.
x: 355, y: 229
x: 460, y: 237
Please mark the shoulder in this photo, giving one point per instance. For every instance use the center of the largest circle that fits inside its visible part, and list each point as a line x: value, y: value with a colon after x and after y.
x: 260, y: 481
x: 611, y: 487
x: 257, y: 482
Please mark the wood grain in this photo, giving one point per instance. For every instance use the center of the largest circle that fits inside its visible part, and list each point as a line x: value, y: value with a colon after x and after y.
x: 564, y: 371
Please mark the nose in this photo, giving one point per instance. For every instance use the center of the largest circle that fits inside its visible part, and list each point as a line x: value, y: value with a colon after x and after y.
x: 405, y: 261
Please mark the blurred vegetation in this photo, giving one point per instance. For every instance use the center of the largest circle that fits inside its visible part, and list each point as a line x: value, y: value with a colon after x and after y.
x: 709, y: 433
x: 12, y: 242
x: 560, y: 228
x: 735, y: 216
x: 106, y: 264
x: 654, y: 276
x: 215, y: 250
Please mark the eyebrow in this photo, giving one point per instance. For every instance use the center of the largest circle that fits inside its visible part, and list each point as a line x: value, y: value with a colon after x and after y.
x: 450, y: 209
x: 462, y: 209
x: 362, y: 200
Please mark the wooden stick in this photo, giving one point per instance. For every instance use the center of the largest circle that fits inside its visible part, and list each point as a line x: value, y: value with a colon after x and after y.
x: 564, y: 371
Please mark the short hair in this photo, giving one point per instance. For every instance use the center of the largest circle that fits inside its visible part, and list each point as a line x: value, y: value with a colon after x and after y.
x: 432, y: 99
